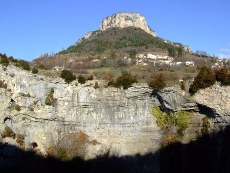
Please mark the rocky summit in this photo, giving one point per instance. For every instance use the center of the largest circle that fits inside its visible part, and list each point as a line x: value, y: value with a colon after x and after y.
x: 122, y: 20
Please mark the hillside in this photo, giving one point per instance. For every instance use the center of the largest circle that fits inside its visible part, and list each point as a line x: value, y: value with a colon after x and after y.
x: 118, y: 39
x: 125, y: 42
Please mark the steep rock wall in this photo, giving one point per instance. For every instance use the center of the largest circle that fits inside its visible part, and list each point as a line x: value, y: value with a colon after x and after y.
x: 112, y: 119
x: 216, y: 99
x: 122, y: 20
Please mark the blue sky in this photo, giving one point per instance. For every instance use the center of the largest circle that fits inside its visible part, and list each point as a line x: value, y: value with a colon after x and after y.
x: 29, y: 28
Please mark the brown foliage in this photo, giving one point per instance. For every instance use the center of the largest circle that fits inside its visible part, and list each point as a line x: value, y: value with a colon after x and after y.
x: 157, y: 83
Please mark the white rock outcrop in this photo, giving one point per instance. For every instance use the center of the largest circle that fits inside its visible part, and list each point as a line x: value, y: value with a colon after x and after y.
x: 122, y: 20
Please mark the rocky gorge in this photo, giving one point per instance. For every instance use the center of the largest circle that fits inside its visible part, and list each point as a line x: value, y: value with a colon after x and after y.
x: 89, y: 122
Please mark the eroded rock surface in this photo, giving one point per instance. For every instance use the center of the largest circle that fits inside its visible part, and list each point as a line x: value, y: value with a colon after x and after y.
x: 216, y: 99
x: 174, y: 99
x: 109, y: 118
x: 122, y: 20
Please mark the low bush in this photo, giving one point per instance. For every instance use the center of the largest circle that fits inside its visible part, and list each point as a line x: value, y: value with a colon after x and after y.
x: 164, y: 120
x: 90, y: 77
x: 96, y: 85
x: 205, y: 125
x: 17, y: 107
x: 223, y: 76
x: 205, y: 78
x: 3, y: 85
x: 8, y: 132
x: 68, y: 76
x: 24, y: 64
x: 125, y: 80
x: 4, y: 60
x: 157, y: 83
x: 50, y: 100
x: 81, y: 79
x: 34, y: 70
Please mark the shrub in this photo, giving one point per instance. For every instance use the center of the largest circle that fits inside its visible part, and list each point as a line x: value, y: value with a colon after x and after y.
x: 90, y: 77
x: 50, y: 100
x: 62, y: 154
x: 34, y: 70
x: 68, y: 76
x: 205, y: 125
x: 182, y: 119
x: 81, y: 79
x: 125, y: 80
x: 162, y: 119
x: 179, y: 119
x: 205, y: 78
x: 223, y: 76
x: 158, y: 83
x: 172, y: 52
x: 41, y: 66
x: 17, y: 107
x: 4, y: 60
x: 111, y: 83
x: 96, y: 85
x: 24, y: 64
x: 182, y: 85
x: 3, y: 85
x: 8, y: 132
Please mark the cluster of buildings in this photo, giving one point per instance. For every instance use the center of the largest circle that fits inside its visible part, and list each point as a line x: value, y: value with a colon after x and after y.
x: 159, y: 60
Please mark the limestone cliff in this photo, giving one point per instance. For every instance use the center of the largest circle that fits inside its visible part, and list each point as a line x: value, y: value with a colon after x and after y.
x: 105, y: 119
x: 122, y: 20
x: 216, y: 102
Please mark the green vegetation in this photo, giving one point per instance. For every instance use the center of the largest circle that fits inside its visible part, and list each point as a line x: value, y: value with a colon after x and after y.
x: 50, y: 100
x: 205, y: 125
x: 3, y: 84
x: 223, y: 76
x: 157, y: 83
x: 68, y: 76
x: 17, y: 107
x: 172, y: 51
x: 125, y: 81
x: 179, y: 119
x: 23, y: 64
x: 90, y: 77
x: 205, y: 78
x: 115, y: 39
x: 62, y: 154
x: 4, y: 60
x: 96, y: 85
x: 8, y: 132
x: 34, y: 70
x: 81, y: 79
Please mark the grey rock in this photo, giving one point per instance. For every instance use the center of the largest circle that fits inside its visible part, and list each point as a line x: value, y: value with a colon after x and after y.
x: 115, y: 119
x: 217, y: 100
x: 173, y: 99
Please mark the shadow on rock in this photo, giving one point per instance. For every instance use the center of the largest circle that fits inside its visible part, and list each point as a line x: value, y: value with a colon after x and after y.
x: 210, y: 153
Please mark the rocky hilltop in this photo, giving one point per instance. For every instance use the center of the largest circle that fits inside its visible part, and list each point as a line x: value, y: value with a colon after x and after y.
x: 122, y: 20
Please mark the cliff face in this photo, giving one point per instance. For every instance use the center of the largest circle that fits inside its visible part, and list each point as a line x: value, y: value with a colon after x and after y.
x: 104, y: 119
x: 122, y: 20
x: 216, y: 102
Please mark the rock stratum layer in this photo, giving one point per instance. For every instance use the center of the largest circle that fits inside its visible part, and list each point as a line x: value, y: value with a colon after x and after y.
x: 98, y: 120
x: 122, y: 20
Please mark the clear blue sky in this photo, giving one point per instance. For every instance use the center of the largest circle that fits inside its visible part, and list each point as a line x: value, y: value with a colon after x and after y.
x: 29, y: 28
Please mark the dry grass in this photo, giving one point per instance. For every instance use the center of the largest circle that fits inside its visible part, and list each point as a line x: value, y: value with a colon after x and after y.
x: 170, y: 139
